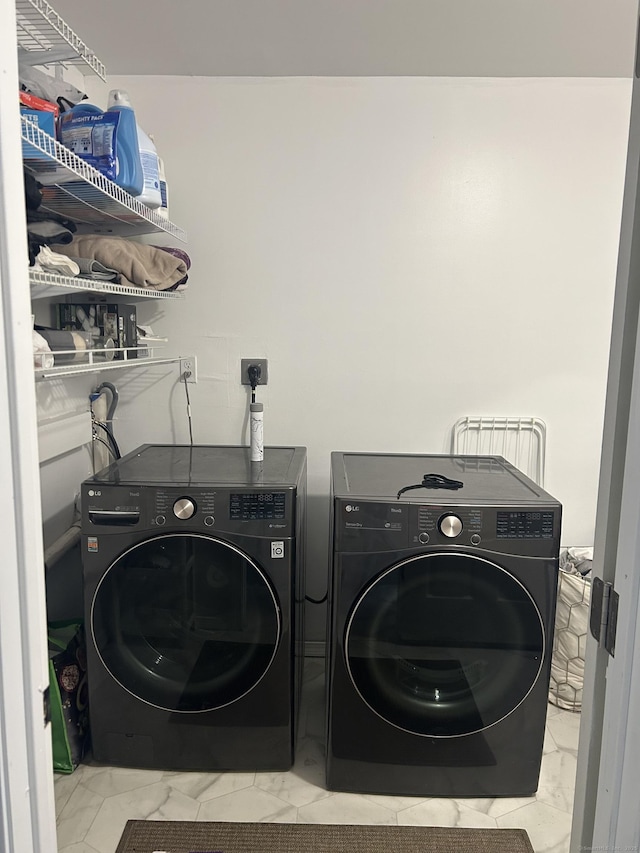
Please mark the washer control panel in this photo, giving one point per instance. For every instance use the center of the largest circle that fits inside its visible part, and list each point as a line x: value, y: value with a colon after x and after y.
x: 251, y: 512
x: 184, y: 508
x: 244, y: 506
x: 171, y: 506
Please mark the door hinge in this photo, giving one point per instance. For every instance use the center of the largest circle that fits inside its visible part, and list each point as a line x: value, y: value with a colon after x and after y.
x: 603, y: 616
x: 46, y: 706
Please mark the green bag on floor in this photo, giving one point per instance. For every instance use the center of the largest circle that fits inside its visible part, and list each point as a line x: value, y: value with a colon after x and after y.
x: 68, y: 695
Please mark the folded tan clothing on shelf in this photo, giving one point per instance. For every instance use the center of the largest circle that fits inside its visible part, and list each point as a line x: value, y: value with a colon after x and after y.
x: 137, y: 263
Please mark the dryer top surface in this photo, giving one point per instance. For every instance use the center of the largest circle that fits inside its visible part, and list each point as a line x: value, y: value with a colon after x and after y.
x: 485, y: 479
x: 204, y: 465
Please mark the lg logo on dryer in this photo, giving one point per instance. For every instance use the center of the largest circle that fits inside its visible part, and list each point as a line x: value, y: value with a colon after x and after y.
x: 351, y: 508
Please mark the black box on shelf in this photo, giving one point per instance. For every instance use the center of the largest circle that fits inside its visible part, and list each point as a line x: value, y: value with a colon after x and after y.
x: 104, y: 321
x: 128, y: 323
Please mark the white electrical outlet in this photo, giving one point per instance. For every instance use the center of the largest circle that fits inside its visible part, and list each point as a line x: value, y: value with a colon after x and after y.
x: 189, y: 367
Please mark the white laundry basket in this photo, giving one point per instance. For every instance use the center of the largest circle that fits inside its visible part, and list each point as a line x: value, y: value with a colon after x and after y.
x: 571, y: 628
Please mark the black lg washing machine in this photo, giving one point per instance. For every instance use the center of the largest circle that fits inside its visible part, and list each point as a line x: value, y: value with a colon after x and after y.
x: 442, y: 603
x: 193, y: 575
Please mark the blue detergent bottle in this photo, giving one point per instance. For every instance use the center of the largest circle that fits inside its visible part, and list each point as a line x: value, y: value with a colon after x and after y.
x: 150, y: 195
x: 107, y: 140
x: 119, y: 102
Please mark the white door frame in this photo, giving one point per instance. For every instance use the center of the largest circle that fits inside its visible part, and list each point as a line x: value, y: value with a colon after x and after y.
x: 606, y: 815
x: 616, y: 817
x: 27, y: 804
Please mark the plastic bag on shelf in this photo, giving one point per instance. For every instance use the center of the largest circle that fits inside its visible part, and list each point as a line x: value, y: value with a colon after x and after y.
x: 53, y: 89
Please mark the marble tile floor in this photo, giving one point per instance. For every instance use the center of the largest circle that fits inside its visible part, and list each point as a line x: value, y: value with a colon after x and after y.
x: 94, y: 803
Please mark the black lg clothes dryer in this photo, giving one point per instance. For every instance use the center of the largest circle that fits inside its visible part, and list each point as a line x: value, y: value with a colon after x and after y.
x: 193, y: 575
x: 442, y: 609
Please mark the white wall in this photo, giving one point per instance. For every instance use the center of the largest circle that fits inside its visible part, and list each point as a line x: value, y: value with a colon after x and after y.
x: 404, y: 251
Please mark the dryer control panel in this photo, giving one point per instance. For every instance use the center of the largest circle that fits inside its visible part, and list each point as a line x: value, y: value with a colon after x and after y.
x: 449, y: 522
x: 382, y: 526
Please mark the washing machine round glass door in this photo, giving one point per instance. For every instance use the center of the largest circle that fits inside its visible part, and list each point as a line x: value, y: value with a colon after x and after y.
x: 444, y: 644
x: 185, y: 622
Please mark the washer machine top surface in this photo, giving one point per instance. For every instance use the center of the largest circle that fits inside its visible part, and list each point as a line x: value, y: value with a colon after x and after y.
x: 204, y: 465
x: 477, y: 479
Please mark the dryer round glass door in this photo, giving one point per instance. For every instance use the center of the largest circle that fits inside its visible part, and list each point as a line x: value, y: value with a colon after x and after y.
x: 444, y: 644
x: 185, y: 622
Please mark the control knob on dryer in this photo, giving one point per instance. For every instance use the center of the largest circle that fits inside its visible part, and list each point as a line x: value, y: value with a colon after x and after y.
x: 450, y: 526
x: 184, y: 508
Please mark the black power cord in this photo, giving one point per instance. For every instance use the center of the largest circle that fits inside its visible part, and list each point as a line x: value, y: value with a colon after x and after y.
x: 316, y: 600
x: 108, y: 425
x: 113, y: 444
x: 434, y: 481
x: 106, y: 444
x: 255, y: 372
x: 186, y: 391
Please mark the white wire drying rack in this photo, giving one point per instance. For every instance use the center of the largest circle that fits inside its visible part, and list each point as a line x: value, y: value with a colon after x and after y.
x: 520, y: 440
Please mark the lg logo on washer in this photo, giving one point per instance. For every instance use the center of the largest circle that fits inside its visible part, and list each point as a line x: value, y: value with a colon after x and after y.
x: 350, y: 508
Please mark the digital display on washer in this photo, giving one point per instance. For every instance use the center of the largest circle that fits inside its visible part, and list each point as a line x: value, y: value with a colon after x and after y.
x: 524, y: 525
x: 245, y: 506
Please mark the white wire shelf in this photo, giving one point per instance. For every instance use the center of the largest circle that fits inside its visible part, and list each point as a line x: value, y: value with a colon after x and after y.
x: 74, y: 189
x: 45, y: 285
x: 77, y: 362
x: 43, y: 33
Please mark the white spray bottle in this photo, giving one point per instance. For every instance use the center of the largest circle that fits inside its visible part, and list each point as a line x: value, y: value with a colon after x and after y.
x: 256, y: 428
